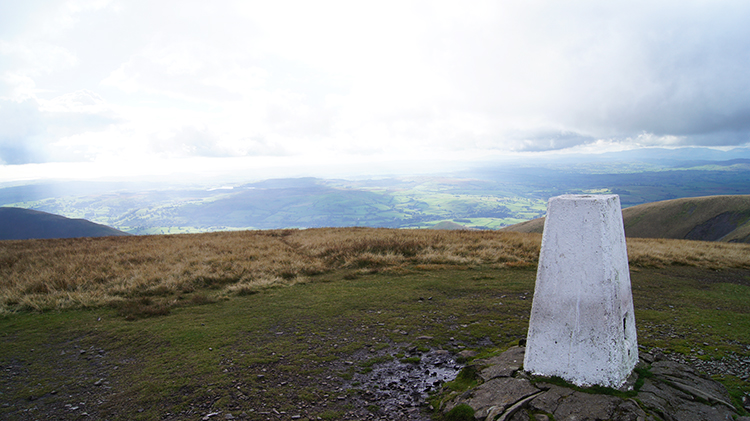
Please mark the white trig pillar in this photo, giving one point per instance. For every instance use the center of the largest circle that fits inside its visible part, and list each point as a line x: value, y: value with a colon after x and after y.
x: 582, y: 326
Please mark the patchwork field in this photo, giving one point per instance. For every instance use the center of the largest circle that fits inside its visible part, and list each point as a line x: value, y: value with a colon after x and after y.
x: 482, y: 198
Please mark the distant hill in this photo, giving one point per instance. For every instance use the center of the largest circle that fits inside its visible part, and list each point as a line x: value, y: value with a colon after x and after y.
x: 24, y: 224
x: 709, y: 218
x: 450, y: 226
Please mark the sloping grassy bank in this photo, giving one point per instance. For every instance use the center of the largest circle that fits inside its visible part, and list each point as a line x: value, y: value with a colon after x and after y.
x: 710, y: 218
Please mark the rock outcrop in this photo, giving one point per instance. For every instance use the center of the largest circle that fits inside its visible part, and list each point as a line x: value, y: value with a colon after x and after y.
x: 659, y: 390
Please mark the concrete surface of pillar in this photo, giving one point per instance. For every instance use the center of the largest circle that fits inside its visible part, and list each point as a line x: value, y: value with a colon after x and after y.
x: 582, y: 326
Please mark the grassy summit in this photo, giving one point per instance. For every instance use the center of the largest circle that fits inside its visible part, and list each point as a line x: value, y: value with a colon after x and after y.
x: 275, y: 324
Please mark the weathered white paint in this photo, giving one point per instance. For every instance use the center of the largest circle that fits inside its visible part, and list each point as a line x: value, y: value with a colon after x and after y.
x: 582, y: 326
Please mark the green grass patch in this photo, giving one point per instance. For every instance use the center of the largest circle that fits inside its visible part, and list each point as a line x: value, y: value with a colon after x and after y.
x: 462, y: 412
x: 596, y: 389
x: 466, y: 379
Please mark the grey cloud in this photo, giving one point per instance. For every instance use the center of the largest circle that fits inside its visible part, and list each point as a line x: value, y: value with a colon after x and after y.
x: 27, y: 133
x: 691, y: 75
x: 21, y: 125
x: 611, y: 70
x: 566, y: 73
x: 549, y: 140
x: 17, y: 153
x: 718, y: 138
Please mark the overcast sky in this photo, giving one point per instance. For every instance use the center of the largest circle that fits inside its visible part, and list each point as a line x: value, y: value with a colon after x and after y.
x: 90, y: 88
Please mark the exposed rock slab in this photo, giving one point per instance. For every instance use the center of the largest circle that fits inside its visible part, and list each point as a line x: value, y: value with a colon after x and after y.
x: 673, y: 392
x: 499, y: 393
x: 503, y: 365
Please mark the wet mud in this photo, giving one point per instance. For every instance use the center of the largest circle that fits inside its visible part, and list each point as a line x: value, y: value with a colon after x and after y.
x: 399, y: 389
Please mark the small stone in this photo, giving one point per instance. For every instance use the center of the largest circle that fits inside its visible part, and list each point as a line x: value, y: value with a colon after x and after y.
x: 467, y: 353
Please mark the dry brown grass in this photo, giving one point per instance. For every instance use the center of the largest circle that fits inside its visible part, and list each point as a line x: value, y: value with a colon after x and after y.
x: 678, y: 218
x: 707, y: 254
x: 158, y: 271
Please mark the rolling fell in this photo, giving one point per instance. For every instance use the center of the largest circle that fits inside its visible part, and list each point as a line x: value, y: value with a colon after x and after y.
x: 708, y: 218
x: 26, y: 224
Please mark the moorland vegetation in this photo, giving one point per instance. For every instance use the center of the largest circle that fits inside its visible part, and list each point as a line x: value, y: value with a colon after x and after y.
x: 163, y: 271
x: 282, y: 323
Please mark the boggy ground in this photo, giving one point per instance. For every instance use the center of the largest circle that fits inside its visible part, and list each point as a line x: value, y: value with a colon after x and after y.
x: 311, y: 351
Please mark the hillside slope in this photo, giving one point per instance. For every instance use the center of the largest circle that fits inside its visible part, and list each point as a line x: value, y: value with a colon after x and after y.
x: 24, y: 224
x: 450, y: 226
x: 709, y: 218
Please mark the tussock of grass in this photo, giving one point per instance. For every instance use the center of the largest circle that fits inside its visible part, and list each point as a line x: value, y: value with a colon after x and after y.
x: 462, y: 412
x: 141, y: 307
x: 42, y: 275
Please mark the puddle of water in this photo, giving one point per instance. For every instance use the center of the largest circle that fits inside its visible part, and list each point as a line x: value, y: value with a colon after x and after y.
x: 399, y: 389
